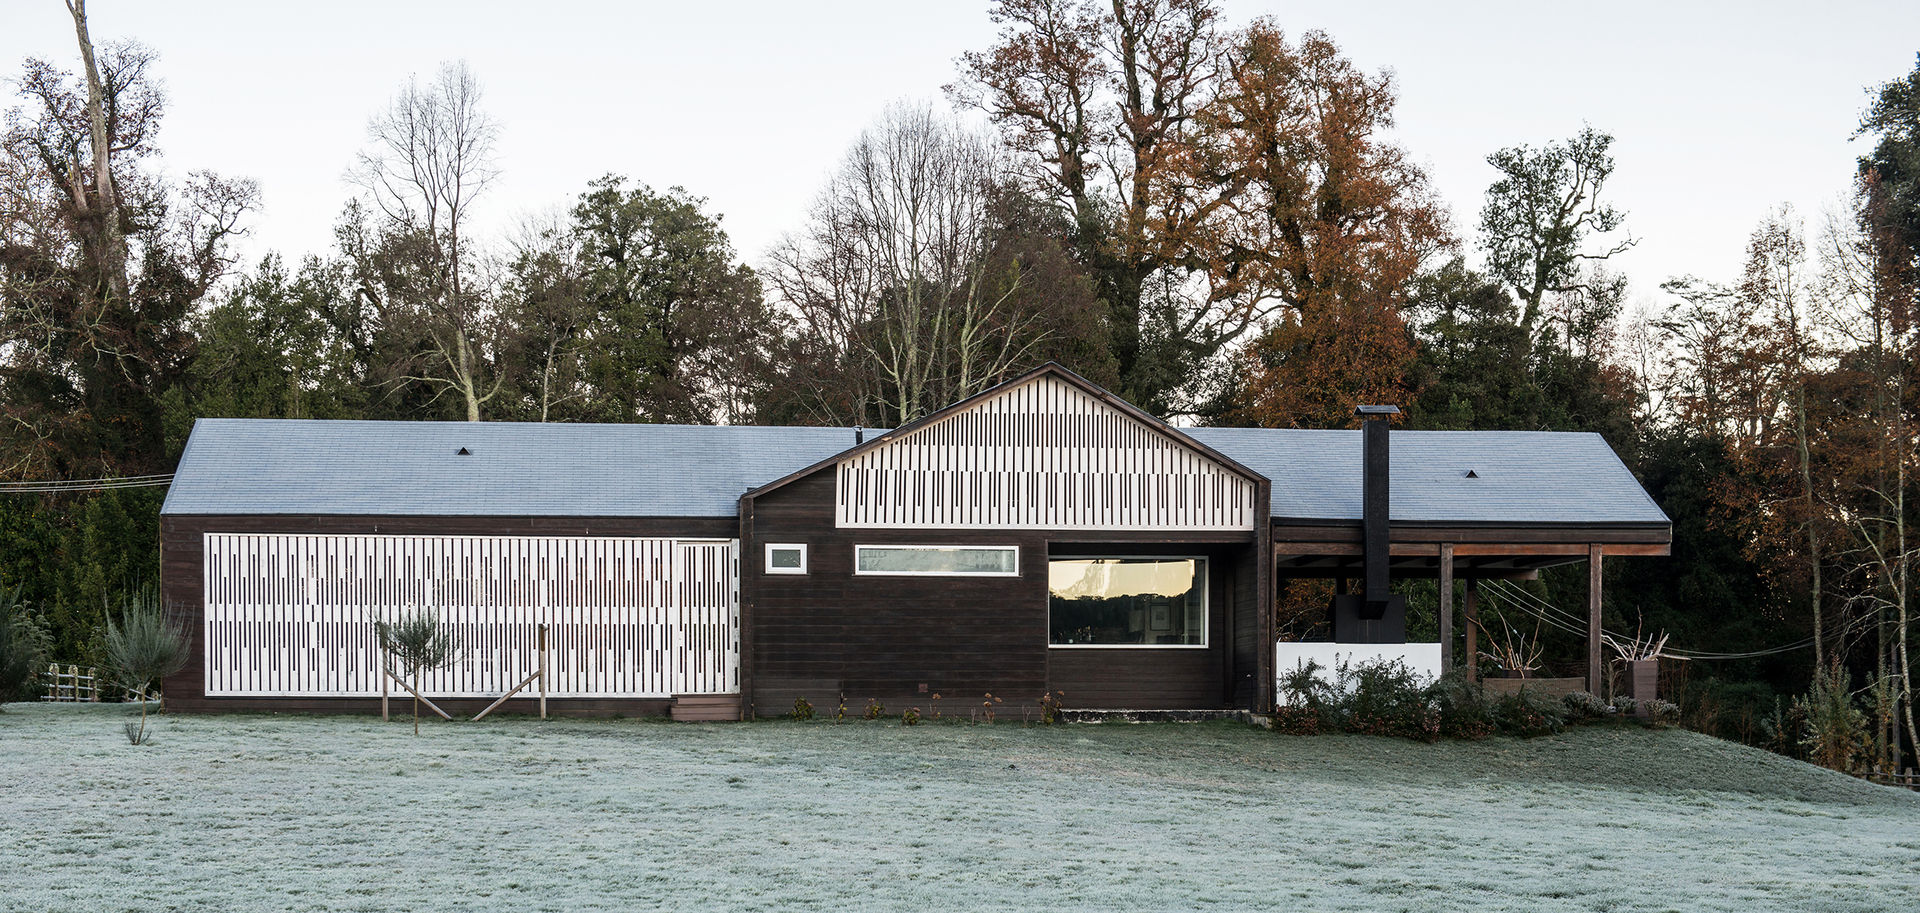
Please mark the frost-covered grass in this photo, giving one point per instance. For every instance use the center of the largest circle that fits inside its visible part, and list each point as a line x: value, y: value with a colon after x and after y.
x: 344, y: 813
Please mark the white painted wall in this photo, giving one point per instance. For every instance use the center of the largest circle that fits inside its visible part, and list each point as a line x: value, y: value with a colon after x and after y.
x: 1422, y: 658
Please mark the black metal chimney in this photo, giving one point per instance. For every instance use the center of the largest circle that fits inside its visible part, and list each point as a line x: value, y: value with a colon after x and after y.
x: 1375, y: 615
x: 1376, y: 460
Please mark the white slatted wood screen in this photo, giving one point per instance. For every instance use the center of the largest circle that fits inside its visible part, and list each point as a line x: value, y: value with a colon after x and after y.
x: 1043, y: 455
x: 292, y: 615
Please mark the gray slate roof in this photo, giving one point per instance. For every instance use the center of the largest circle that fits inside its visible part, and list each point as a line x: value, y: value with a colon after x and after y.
x: 283, y: 466
x: 278, y: 466
x: 1524, y: 477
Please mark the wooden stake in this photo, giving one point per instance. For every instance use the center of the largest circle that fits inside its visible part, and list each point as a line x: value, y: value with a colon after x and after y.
x: 503, y: 698
x: 541, y: 636
x: 409, y: 688
x: 383, y: 685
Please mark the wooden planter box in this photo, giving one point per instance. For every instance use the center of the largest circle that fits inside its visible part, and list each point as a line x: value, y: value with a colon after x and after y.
x: 1556, y: 687
x: 1643, y: 680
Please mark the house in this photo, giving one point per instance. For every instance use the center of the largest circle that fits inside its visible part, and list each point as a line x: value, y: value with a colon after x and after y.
x: 1041, y: 537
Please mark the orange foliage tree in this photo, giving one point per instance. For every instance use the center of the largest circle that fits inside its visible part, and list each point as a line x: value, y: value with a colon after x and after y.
x: 1217, y: 178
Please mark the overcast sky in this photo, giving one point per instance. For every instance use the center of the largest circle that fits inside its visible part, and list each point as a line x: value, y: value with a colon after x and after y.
x: 1721, y: 111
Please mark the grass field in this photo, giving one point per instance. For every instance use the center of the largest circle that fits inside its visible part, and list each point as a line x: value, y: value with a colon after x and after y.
x: 344, y: 813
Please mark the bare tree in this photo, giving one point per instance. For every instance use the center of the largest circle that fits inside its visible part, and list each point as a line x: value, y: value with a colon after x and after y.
x: 101, y: 206
x: 893, y: 283
x: 431, y: 155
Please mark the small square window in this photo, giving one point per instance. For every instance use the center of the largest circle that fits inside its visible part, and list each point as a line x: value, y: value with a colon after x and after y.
x: 786, y: 558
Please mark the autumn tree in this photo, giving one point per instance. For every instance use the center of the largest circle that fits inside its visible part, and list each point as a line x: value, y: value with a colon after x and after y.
x: 1315, y: 210
x: 1216, y: 176
x: 1541, y: 214
x: 430, y: 155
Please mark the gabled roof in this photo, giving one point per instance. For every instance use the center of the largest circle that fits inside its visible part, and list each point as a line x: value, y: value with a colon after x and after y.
x: 282, y: 466
x: 1521, y: 478
x: 1050, y: 369
x: 278, y: 466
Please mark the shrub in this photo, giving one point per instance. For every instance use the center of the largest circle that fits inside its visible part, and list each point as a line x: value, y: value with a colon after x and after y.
x: 911, y: 717
x: 1527, y: 713
x: 1050, y: 707
x: 1312, y: 703
x: 1385, y: 698
x: 23, y: 647
x: 1464, y: 709
x: 802, y: 710
x: 874, y: 711
x: 1663, y: 713
x: 1836, y: 733
x: 1582, y: 707
x: 144, y: 647
x: 1289, y: 720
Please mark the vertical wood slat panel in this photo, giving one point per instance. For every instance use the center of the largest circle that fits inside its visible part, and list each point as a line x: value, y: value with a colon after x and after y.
x: 1043, y: 455
x: 294, y: 614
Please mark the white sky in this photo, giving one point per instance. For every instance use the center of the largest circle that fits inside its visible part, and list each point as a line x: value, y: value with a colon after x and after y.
x: 1721, y: 111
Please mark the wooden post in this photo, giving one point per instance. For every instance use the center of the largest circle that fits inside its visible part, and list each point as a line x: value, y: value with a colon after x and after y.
x: 1594, y: 669
x: 1472, y: 608
x: 541, y: 639
x: 383, y: 685
x: 1446, y: 607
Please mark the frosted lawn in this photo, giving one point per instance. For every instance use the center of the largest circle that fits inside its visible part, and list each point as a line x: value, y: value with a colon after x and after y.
x: 344, y: 813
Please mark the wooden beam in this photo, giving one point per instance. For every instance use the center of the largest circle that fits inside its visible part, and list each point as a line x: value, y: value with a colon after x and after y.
x: 1285, y: 550
x: 1473, y: 628
x: 1446, y: 606
x: 1594, y: 669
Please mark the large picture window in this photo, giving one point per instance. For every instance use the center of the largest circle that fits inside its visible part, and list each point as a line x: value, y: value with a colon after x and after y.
x: 1127, y: 602
x: 938, y: 560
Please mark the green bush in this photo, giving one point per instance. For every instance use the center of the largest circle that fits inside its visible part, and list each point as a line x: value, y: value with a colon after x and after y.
x: 1308, y: 703
x: 1385, y: 698
x: 1527, y: 712
x: 1464, y: 708
x: 1663, y: 713
x: 1582, y: 707
x: 1836, y: 735
x: 23, y: 647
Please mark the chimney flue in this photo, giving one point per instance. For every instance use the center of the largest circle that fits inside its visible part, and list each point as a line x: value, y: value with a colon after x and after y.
x: 1375, y: 615
x: 1375, y: 507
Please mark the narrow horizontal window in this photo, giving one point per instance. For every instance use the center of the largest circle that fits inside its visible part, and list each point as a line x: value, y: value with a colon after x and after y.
x: 786, y: 558
x: 1127, y: 602
x: 938, y: 560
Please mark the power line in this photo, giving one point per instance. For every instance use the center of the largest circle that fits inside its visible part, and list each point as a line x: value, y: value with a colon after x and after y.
x: 55, y: 486
x: 1568, y: 622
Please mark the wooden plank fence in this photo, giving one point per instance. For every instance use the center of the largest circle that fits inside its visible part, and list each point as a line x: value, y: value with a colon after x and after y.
x: 76, y: 684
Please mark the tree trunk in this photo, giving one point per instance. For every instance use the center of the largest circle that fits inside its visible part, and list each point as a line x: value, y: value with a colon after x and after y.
x: 112, y: 252
x: 1900, y: 587
x: 1813, y: 532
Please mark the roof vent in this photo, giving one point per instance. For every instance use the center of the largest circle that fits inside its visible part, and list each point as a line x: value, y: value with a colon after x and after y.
x: 463, y: 452
x: 1472, y: 475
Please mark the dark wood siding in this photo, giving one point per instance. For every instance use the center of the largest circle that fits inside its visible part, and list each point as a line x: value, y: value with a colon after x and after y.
x: 832, y: 634
x: 183, y: 567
